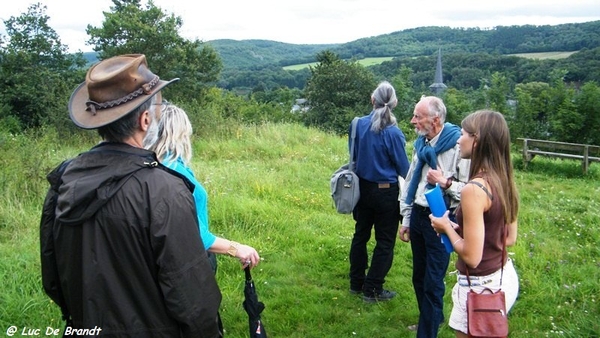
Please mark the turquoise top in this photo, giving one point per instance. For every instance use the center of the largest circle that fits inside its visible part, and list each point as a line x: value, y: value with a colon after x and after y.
x: 200, y: 198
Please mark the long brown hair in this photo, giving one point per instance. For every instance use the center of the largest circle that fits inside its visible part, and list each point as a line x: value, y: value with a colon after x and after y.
x: 491, y: 157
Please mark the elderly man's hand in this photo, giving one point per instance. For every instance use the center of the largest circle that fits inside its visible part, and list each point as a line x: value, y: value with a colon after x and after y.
x: 436, y: 176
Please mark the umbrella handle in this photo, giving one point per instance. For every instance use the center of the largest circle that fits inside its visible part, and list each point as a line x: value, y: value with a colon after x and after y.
x: 248, y: 275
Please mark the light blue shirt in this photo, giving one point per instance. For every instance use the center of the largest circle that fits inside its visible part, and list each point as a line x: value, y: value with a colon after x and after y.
x: 200, y: 198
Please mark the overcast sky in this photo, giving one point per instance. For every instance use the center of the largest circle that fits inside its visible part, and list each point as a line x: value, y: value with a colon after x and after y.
x: 312, y: 21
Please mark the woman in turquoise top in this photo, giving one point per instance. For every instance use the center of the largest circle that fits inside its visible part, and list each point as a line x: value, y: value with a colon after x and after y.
x: 170, y: 139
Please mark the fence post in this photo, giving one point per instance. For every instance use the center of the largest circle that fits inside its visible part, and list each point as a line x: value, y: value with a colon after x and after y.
x: 586, y: 163
x: 526, y: 156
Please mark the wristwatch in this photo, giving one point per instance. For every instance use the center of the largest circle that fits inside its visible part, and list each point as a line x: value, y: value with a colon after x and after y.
x: 448, y: 182
x: 233, y: 248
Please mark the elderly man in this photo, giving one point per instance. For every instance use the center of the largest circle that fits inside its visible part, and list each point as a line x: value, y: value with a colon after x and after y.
x: 120, y: 246
x: 436, y: 159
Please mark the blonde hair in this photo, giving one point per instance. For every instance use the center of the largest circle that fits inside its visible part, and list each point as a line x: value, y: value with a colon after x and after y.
x: 174, y: 135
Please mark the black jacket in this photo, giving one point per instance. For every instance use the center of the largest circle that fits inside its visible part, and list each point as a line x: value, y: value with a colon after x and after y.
x: 121, y: 250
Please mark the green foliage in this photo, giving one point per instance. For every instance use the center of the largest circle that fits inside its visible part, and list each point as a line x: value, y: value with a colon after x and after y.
x: 469, y: 53
x: 583, y: 66
x: 36, y: 72
x: 498, y: 93
x: 337, y: 91
x: 533, y: 107
x: 131, y: 28
x: 405, y: 93
x: 221, y: 111
x: 458, y: 105
x: 587, y: 103
x: 565, y: 120
x: 282, y: 95
x: 253, y: 54
x: 267, y: 78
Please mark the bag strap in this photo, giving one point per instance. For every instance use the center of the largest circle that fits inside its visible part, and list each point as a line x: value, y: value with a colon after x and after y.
x: 504, y: 235
x: 352, y: 139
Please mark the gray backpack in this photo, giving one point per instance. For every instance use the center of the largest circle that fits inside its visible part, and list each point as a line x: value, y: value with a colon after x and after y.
x: 344, y: 182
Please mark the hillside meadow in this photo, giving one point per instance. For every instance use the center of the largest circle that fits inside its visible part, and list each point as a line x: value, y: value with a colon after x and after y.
x: 545, y: 55
x: 365, y: 62
x: 370, y: 61
x: 268, y: 187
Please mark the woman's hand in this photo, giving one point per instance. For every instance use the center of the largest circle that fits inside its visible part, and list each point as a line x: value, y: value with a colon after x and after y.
x: 441, y: 225
x: 248, y: 256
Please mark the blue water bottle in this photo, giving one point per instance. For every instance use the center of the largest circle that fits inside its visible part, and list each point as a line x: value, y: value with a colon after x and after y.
x: 438, y: 208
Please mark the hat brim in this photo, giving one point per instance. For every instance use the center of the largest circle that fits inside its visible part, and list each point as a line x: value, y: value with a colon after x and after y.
x: 85, y: 119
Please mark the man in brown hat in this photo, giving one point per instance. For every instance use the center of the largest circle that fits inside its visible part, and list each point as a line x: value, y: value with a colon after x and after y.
x: 120, y: 248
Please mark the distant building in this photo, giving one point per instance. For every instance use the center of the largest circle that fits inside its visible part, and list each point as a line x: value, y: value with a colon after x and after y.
x: 438, y: 85
x: 301, y: 105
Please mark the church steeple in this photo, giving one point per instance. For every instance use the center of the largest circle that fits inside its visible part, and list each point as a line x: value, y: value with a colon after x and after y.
x: 438, y: 85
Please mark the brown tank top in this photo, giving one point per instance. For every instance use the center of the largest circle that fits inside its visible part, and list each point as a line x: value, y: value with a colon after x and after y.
x: 494, y: 223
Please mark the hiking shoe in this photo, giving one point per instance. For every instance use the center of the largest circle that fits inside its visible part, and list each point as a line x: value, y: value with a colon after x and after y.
x: 382, y: 296
x: 355, y: 292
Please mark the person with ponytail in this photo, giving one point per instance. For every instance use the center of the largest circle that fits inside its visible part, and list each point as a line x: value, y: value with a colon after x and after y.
x: 380, y: 156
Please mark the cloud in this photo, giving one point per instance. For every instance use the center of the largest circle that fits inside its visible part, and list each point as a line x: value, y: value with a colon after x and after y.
x: 314, y: 21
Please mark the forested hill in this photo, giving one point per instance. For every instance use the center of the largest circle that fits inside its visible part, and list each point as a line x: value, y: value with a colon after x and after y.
x: 256, y: 54
x: 248, y: 54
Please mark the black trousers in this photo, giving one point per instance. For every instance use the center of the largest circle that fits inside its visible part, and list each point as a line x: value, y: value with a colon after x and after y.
x: 377, y: 208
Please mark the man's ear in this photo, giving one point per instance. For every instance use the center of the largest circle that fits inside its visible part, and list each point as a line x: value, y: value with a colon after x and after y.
x: 145, y: 121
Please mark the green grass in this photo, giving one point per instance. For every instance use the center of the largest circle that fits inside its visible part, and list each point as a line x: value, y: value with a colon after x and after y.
x: 364, y: 62
x: 269, y: 188
x: 545, y: 55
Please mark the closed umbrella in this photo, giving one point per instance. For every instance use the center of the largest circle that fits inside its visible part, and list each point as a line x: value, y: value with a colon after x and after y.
x: 253, y: 307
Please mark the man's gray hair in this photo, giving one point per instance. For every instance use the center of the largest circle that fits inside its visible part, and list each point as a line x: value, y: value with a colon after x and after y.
x: 435, y: 107
x: 125, y: 127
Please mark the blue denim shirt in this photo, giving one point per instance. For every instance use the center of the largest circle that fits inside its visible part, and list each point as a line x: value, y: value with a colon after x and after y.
x: 380, y: 157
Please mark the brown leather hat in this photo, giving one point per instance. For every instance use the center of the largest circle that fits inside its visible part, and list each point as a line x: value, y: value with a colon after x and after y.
x: 113, y: 88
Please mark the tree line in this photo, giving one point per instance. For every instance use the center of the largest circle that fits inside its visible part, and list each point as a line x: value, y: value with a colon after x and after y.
x: 550, y: 99
x: 415, y: 42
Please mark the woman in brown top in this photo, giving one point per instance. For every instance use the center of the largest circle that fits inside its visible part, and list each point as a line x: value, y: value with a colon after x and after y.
x: 489, y: 207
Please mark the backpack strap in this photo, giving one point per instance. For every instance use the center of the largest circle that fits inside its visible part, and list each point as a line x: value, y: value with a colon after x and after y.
x: 352, y: 139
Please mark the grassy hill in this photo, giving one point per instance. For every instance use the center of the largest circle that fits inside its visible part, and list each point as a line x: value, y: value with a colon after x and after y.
x: 469, y: 54
x: 546, y: 55
x: 268, y: 187
x: 423, y: 41
x: 365, y: 62
x: 247, y: 54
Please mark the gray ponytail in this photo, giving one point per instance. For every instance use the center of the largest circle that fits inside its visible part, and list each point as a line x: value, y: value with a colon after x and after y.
x: 384, y: 100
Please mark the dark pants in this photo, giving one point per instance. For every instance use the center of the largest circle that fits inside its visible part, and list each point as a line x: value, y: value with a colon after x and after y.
x: 212, y: 258
x: 430, y: 263
x: 378, y: 207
